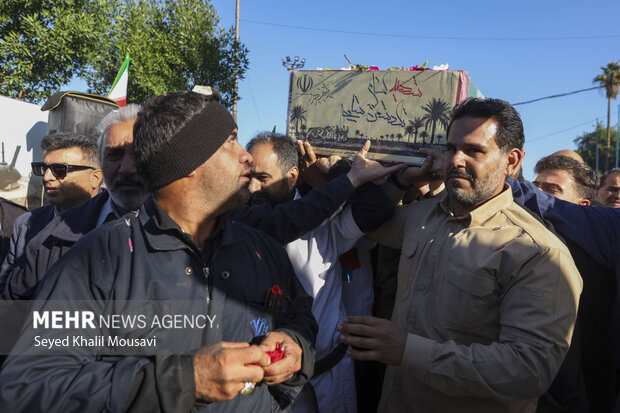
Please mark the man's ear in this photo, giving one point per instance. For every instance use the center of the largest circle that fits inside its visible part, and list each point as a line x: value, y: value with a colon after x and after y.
x: 291, y: 177
x: 515, y: 160
x: 583, y: 201
x: 96, y: 177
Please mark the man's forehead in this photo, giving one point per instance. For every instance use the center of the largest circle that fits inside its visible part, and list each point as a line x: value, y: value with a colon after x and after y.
x: 120, y: 134
x: 612, y: 179
x: 473, y: 130
x: 264, y: 153
x: 559, y: 176
x: 65, y: 155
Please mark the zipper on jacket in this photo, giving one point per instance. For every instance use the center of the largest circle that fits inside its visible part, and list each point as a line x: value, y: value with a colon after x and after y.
x: 205, y: 272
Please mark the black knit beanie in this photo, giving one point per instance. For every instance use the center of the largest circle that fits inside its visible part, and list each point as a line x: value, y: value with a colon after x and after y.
x: 190, y: 147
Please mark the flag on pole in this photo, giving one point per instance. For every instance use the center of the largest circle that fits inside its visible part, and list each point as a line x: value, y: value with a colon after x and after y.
x: 118, y: 93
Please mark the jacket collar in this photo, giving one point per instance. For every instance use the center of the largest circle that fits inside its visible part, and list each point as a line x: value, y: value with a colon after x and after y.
x: 74, y: 223
x: 156, y: 222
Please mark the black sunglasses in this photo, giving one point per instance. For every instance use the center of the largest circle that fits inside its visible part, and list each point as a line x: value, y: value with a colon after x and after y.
x: 59, y: 170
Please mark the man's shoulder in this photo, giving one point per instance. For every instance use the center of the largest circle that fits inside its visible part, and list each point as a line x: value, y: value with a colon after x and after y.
x: 35, y: 217
x: 239, y: 231
x: 534, y: 231
x: 418, y: 210
x: 75, y: 222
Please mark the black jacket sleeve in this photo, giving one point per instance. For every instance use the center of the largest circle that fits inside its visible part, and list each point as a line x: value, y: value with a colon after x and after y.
x: 289, y: 221
x: 370, y: 207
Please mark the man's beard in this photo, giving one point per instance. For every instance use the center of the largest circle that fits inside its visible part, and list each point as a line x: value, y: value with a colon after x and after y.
x: 124, y: 200
x: 481, y: 190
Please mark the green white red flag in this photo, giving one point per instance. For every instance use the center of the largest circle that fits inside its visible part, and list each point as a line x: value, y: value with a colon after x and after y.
x: 118, y: 92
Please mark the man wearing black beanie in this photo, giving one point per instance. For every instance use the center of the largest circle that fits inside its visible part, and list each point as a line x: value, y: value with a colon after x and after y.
x: 177, y: 249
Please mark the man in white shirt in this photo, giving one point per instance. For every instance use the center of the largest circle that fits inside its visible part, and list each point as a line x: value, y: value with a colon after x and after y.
x: 315, y: 259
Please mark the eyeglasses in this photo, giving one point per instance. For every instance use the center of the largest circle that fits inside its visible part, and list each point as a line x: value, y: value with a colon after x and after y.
x: 59, y: 170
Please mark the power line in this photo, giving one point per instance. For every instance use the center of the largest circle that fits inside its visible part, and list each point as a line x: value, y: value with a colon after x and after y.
x: 558, y: 132
x: 254, y: 103
x: 419, y: 36
x: 557, y: 96
x: 565, y: 130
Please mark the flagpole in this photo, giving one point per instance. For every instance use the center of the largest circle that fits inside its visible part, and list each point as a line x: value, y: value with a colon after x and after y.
x: 236, y: 62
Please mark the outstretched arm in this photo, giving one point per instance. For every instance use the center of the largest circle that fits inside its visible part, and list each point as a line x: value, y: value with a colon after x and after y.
x: 288, y: 221
x: 595, y: 229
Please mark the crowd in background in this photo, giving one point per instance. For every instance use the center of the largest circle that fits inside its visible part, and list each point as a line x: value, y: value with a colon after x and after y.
x: 449, y: 286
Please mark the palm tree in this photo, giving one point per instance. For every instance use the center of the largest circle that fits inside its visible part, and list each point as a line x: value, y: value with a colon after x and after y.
x: 610, y: 80
x: 298, y: 116
x: 436, y: 110
x: 417, y: 124
x: 409, y: 132
x: 413, y: 128
x: 424, y: 135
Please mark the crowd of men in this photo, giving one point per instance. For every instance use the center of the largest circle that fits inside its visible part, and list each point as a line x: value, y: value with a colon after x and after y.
x: 446, y: 287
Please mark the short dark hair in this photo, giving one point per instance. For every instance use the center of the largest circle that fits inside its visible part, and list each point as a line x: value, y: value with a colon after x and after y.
x: 65, y: 140
x: 283, y: 146
x: 166, y: 114
x: 608, y: 173
x: 509, y: 126
x: 584, y: 177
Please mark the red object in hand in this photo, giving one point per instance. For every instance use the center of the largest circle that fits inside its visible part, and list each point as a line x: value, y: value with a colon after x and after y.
x: 275, y: 355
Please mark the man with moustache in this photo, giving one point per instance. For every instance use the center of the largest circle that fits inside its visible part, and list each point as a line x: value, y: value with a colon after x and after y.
x: 71, y: 176
x: 596, y: 230
x: 586, y: 379
x: 126, y: 192
x: 609, y: 192
x: 178, y: 248
x: 487, y: 296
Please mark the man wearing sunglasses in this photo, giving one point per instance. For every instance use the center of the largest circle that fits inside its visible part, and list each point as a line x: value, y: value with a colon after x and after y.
x: 71, y: 176
x: 70, y: 171
x: 126, y: 191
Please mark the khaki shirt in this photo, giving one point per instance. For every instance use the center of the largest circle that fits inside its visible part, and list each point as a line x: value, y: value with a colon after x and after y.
x: 489, y: 301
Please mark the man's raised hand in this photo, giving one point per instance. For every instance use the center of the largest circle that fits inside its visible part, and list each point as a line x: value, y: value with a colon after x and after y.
x: 366, y: 170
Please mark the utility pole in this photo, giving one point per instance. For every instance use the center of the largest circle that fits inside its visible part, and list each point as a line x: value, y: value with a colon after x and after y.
x: 618, y: 137
x: 236, y: 62
x: 291, y: 65
x: 596, y: 143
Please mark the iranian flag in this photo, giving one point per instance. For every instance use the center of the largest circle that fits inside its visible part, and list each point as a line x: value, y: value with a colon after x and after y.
x: 118, y: 93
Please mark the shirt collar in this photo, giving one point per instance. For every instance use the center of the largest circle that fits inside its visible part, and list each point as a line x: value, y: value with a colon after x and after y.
x: 108, y: 213
x: 164, y: 222
x: 485, y: 211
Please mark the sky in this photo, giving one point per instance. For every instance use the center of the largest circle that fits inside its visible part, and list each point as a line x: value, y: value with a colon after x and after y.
x: 516, y: 51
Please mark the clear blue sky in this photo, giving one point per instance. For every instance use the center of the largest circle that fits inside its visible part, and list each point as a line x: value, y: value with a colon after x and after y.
x: 516, y: 51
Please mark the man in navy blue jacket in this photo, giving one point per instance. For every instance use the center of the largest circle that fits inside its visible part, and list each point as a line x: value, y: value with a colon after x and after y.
x: 178, y: 247
x: 71, y: 176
